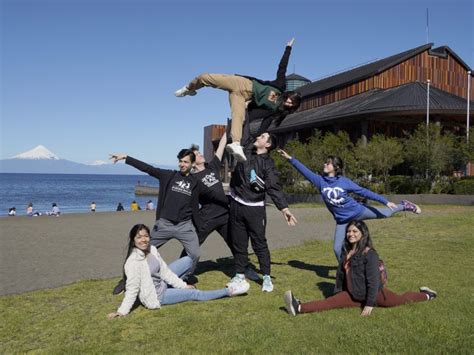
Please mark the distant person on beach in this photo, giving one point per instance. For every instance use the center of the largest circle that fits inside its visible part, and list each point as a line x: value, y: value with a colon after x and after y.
x: 269, y: 97
x: 177, y: 212
x: 149, y: 206
x: 120, y: 207
x: 93, y: 207
x: 55, y: 210
x: 134, y: 206
x: 12, y: 211
x: 155, y: 283
x: 335, y: 189
x: 358, y: 280
x: 30, y: 212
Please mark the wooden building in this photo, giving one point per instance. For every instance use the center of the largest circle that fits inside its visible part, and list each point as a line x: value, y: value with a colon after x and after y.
x: 387, y: 96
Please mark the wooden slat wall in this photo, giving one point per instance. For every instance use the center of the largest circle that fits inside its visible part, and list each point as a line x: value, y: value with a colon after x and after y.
x: 445, y: 74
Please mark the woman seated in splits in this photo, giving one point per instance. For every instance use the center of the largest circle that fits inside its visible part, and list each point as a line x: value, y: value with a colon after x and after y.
x: 264, y: 99
x: 155, y: 283
x: 358, y: 280
x: 335, y: 189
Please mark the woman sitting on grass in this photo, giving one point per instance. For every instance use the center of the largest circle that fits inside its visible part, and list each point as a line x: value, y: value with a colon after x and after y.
x: 335, y: 189
x: 155, y: 283
x: 358, y: 280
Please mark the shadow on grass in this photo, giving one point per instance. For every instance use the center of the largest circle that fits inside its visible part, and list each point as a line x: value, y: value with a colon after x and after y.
x: 224, y: 265
x: 320, y: 270
x: 326, y: 288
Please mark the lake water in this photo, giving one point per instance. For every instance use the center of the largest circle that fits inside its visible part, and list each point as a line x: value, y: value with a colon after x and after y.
x: 73, y: 193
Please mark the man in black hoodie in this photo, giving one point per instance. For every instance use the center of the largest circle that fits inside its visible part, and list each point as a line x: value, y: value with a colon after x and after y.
x: 250, y: 181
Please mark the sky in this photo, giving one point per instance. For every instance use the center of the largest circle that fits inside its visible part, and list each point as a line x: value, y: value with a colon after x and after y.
x: 86, y: 78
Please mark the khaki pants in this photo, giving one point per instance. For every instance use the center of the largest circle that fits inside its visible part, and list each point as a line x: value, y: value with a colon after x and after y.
x: 240, y: 91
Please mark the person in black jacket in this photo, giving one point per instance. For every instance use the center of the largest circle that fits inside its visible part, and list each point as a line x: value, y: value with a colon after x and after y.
x: 358, y: 280
x: 250, y: 181
x: 265, y: 99
x: 177, y: 212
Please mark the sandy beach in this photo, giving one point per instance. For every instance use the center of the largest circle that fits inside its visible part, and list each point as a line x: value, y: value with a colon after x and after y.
x: 46, y: 252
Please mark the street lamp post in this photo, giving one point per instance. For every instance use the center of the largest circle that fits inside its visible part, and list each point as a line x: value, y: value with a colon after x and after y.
x: 468, y: 103
x: 428, y: 103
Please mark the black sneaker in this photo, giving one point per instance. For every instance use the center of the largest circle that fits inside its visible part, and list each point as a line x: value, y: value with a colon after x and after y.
x: 431, y: 293
x: 119, y: 288
x: 292, y: 304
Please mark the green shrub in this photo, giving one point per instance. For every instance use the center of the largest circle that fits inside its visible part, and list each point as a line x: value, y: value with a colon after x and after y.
x: 464, y: 187
x: 400, y: 184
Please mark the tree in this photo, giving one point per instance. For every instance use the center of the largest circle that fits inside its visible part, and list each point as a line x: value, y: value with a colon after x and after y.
x: 379, y: 156
x: 429, y: 152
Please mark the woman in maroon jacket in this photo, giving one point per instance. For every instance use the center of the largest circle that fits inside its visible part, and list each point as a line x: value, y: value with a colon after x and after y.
x: 358, y: 281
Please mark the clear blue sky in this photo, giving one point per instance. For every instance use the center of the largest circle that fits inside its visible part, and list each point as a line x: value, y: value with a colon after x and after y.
x: 89, y: 77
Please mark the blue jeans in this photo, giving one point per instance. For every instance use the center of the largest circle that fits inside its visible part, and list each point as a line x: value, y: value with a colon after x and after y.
x: 369, y: 212
x: 174, y: 295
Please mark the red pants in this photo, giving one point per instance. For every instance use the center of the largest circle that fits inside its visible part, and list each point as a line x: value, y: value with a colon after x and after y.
x: 343, y: 299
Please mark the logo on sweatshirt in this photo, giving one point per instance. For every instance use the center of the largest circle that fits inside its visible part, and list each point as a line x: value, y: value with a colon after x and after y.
x: 209, y: 180
x: 183, y: 187
x: 273, y: 96
x: 334, y: 195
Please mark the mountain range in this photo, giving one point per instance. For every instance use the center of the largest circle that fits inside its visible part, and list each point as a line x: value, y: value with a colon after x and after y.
x: 41, y: 160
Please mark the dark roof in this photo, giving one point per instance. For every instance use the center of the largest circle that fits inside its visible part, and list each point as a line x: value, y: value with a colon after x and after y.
x: 297, y: 77
x: 371, y: 69
x: 407, y: 98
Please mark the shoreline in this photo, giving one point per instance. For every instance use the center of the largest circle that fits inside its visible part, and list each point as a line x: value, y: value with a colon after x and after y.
x: 47, y: 252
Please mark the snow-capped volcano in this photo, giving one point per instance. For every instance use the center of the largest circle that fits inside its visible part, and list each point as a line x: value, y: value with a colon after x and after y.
x: 40, y: 152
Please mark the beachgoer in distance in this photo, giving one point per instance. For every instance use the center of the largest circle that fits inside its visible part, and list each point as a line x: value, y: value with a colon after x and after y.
x: 120, y: 207
x: 155, y: 283
x: 12, y: 211
x: 250, y: 182
x: 358, y: 281
x: 134, y: 206
x: 335, y: 189
x: 93, y: 206
x: 149, y: 206
x: 177, y: 207
x: 270, y: 96
x: 30, y: 212
x: 55, y: 210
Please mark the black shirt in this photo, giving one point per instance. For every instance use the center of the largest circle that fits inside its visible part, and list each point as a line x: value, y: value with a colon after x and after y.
x: 177, y: 203
x: 213, y: 200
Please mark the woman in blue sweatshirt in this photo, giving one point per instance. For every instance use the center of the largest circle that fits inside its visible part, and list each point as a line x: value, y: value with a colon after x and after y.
x: 335, y: 189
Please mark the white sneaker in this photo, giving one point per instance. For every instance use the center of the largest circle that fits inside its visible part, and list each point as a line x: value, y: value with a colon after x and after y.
x: 236, y: 278
x: 237, y: 151
x: 238, y: 288
x: 184, y: 91
x: 267, y: 285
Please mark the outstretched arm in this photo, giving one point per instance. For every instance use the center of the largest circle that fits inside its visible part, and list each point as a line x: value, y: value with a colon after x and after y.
x: 281, y: 73
x: 221, y: 147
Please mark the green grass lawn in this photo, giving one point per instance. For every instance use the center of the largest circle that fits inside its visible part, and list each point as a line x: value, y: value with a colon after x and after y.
x: 435, y: 250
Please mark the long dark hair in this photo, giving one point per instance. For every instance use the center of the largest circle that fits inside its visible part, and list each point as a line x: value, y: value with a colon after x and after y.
x: 282, y: 111
x: 337, y: 163
x: 364, y: 242
x: 131, y: 242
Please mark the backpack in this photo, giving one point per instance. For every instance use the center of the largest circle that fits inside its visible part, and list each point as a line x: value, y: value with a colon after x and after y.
x: 382, y: 269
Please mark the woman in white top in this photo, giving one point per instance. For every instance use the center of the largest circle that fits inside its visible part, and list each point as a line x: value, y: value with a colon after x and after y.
x: 155, y: 283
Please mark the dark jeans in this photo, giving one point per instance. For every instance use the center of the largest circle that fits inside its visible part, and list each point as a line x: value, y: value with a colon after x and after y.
x: 220, y: 225
x: 249, y: 222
